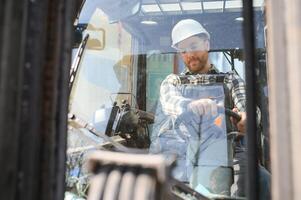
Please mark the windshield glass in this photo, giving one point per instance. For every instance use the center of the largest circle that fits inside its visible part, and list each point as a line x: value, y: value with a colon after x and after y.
x: 168, y: 91
x: 200, y: 141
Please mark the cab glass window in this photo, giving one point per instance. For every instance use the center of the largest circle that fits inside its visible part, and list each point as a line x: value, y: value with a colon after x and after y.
x: 167, y: 77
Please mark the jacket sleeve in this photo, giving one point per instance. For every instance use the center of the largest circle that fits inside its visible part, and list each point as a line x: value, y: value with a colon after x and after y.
x: 172, y: 101
x: 238, y: 93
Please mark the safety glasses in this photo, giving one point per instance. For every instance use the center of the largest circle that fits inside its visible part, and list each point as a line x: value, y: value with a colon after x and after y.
x: 195, y: 46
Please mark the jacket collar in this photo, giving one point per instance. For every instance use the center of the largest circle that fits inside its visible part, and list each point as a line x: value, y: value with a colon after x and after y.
x: 212, y: 70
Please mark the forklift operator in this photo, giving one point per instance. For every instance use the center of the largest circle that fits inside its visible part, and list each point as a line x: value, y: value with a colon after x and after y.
x: 192, y: 42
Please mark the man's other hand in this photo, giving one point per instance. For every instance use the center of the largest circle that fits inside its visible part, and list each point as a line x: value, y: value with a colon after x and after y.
x: 241, y: 125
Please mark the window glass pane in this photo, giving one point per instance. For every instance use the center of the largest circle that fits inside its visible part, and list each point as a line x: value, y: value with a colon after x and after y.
x: 262, y: 99
x: 168, y: 78
x: 105, y: 68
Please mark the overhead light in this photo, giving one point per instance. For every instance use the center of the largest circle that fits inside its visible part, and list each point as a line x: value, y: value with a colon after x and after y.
x: 169, y: 7
x: 213, y: 5
x: 233, y: 4
x: 258, y: 3
x: 151, y: 8
x: 149, y: 22
x: 239, y: 19
x: 187, y: 6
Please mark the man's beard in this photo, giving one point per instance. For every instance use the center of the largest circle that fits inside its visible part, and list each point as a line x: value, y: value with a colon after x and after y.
x: 196, y: 64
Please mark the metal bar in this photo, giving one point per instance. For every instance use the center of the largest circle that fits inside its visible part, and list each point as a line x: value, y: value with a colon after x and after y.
x: 11, y: 59
x: 183, y: 188
x: 159, y: 5
x: 229, y: 61
x: 283, y: 22
x: 220, y: 50
x: 141, y: 79
x: 2, y: 11
x: 233, y: 63
x: 224, y: 5
x: 232, y: 60
x: 102, y: 146
x: 249, y: 37
x: 141, y: 13
x: 76, y: 62
x: 34, y: 65
x: 180, y: 4
x: 202, y: 3
x: 77, y: 123
x: 80, y: 4
x: 30, y: 118
x: 65, y: 13
x: 49, y: 104
x: 292, y: 17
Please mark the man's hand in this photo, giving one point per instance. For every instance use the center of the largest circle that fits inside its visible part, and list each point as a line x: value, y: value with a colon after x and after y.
x: 203, y: 107
x: 241, y: 125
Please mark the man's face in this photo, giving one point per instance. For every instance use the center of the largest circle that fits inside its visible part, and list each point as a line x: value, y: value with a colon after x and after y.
x: 194, y: 52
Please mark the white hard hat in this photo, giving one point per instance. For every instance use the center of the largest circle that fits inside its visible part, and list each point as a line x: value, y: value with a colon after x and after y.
x: 185, y: 29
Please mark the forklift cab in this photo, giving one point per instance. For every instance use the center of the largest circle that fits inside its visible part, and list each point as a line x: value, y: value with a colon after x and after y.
x: 120, y: 58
